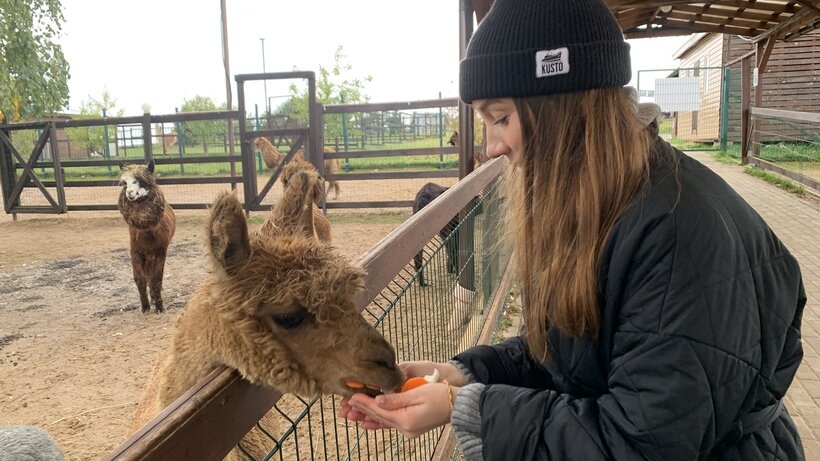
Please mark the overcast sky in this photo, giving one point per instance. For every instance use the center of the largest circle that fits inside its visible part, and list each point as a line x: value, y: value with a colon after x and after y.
x: 163, y: 52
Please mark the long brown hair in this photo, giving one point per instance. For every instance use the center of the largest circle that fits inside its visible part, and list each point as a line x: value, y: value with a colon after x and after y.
x: 585, y: 155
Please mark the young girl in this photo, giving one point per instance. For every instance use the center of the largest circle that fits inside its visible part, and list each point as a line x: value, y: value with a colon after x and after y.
x: 662, y: 314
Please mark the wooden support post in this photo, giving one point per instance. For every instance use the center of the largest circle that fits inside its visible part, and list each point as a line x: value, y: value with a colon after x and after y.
x: 147, y: 141
x: 745, y: 98
x: 465, y: 165
x: 763, y: 50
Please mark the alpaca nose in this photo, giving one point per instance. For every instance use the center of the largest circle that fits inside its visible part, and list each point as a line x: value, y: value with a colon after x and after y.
x: 383, y: 355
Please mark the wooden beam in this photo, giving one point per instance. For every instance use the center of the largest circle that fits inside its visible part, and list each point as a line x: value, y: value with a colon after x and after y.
x: 717, y: 20
x: 753, y: 5
x: 656, y: 32
x: 703, y: 27
x: 763, y: 21
x: 796, y: 20
x: 810, y: 5
x: 647, y: 4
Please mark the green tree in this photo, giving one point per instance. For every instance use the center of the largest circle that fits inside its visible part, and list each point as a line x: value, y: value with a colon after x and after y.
x: 33, y: 70
x: 205, y: 131
x: 94, y: 137
x: 333, y: 86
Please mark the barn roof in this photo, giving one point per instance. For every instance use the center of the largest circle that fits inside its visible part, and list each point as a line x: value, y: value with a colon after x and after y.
x: 757, y: 19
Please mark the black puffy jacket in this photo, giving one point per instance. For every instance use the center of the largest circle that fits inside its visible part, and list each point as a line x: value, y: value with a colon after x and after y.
x: 700, y: 306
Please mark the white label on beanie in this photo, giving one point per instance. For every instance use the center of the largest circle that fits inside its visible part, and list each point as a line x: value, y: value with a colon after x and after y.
x: 551, y: 62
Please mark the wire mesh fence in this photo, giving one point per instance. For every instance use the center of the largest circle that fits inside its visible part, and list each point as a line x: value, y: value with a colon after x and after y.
x: 463, y: 267
x: 788, y: 140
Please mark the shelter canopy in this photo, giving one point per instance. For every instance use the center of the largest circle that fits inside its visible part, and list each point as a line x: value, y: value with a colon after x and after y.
x: 757, y: 19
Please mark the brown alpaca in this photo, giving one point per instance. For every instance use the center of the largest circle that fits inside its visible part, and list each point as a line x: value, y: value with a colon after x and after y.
x: 278, y: 308
x: 167, y: 139
x: 151, y: 224
x: 273, y: 157
x: 478, y: 159
x: 320, y: 222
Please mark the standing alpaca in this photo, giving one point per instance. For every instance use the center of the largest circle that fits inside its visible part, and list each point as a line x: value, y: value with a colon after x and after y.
x: 278, y: 308
x: 320, y: 222
x: 151, y: 224
x: 424, y: 197
x: 273, y: 157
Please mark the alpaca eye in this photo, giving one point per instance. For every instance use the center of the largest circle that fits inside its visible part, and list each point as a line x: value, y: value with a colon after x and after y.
x: 291, y: 320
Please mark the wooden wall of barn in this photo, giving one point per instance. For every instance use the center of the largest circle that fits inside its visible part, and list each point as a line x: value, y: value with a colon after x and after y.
x: 705, y: 60
x: 791, y: 82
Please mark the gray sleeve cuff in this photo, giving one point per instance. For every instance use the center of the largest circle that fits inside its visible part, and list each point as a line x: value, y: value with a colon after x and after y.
x: 466, y: 421
x: 464, y: 371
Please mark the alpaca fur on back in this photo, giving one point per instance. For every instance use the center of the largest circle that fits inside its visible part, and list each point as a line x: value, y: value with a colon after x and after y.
x: 320, y: 222
x: 273, y: 157
x: 151, y: 226
x: 28, y: 443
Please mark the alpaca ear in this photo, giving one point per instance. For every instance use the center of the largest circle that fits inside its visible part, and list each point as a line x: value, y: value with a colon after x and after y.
x: 151, y: 165
x: 295, y: 210
x: 319, y: 191
x: 122, y: 165
x: 228, y: 240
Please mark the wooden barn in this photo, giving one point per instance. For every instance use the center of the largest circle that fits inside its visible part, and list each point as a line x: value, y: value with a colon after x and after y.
x: 791, y: 81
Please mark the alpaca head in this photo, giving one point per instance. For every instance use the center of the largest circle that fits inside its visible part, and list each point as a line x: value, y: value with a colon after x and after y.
x: 311, y: 176
x: 290, y: 298
x: 138, y: 181
x: 453, y: 141
x: 262, y: 143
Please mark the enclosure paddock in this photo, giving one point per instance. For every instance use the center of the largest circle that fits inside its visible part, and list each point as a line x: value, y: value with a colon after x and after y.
x: 74, y: 348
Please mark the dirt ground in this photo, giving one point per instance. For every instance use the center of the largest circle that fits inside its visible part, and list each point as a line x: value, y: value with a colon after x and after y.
x: 74, y: 348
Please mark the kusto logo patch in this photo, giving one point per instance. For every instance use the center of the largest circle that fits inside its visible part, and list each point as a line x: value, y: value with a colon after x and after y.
x: 551, y: 62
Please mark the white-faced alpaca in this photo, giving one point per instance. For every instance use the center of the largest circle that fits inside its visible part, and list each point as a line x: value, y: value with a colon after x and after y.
x: 28, y: 443
x: 273, y: 157
x: 151, y: 224
x: 278, y: 308
x: 320, y: 222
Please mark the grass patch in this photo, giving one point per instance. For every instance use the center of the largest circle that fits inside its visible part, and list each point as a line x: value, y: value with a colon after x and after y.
x: 725, y: 157
x: 782, y: 183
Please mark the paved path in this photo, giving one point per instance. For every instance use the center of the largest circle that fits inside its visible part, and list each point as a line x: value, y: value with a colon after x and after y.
x: 796, y: 221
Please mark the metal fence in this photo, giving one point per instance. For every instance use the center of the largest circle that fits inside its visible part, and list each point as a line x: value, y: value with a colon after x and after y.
x: 788, y: 143
x: 73, y: 165
x: 458, y: 308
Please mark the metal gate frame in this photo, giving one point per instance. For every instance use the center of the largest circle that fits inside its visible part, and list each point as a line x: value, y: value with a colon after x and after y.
x: 11, y: 195
x: 313, y: 133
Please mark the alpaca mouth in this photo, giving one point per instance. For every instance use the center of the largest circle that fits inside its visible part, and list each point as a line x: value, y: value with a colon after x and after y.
x: 359, y: 387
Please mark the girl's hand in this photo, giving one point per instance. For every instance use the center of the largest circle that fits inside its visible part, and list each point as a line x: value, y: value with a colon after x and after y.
x: 447, y: 371
x: 412, y: 413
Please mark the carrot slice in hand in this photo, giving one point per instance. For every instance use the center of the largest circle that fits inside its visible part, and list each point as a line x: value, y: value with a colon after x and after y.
x: 417, y: 381
x: 413, y: 383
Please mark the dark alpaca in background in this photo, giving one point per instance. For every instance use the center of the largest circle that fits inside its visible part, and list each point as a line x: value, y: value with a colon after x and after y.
x: 424, y: 197
x: 427, y: 194
x: 151, y: 224
x: 449, y: 233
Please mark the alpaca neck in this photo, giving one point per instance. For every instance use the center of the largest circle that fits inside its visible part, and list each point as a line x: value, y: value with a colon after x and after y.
x: 144, y: 213
x: 192, y: 354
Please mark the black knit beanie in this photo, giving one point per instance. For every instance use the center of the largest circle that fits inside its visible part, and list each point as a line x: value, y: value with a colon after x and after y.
x: 539, y: 47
